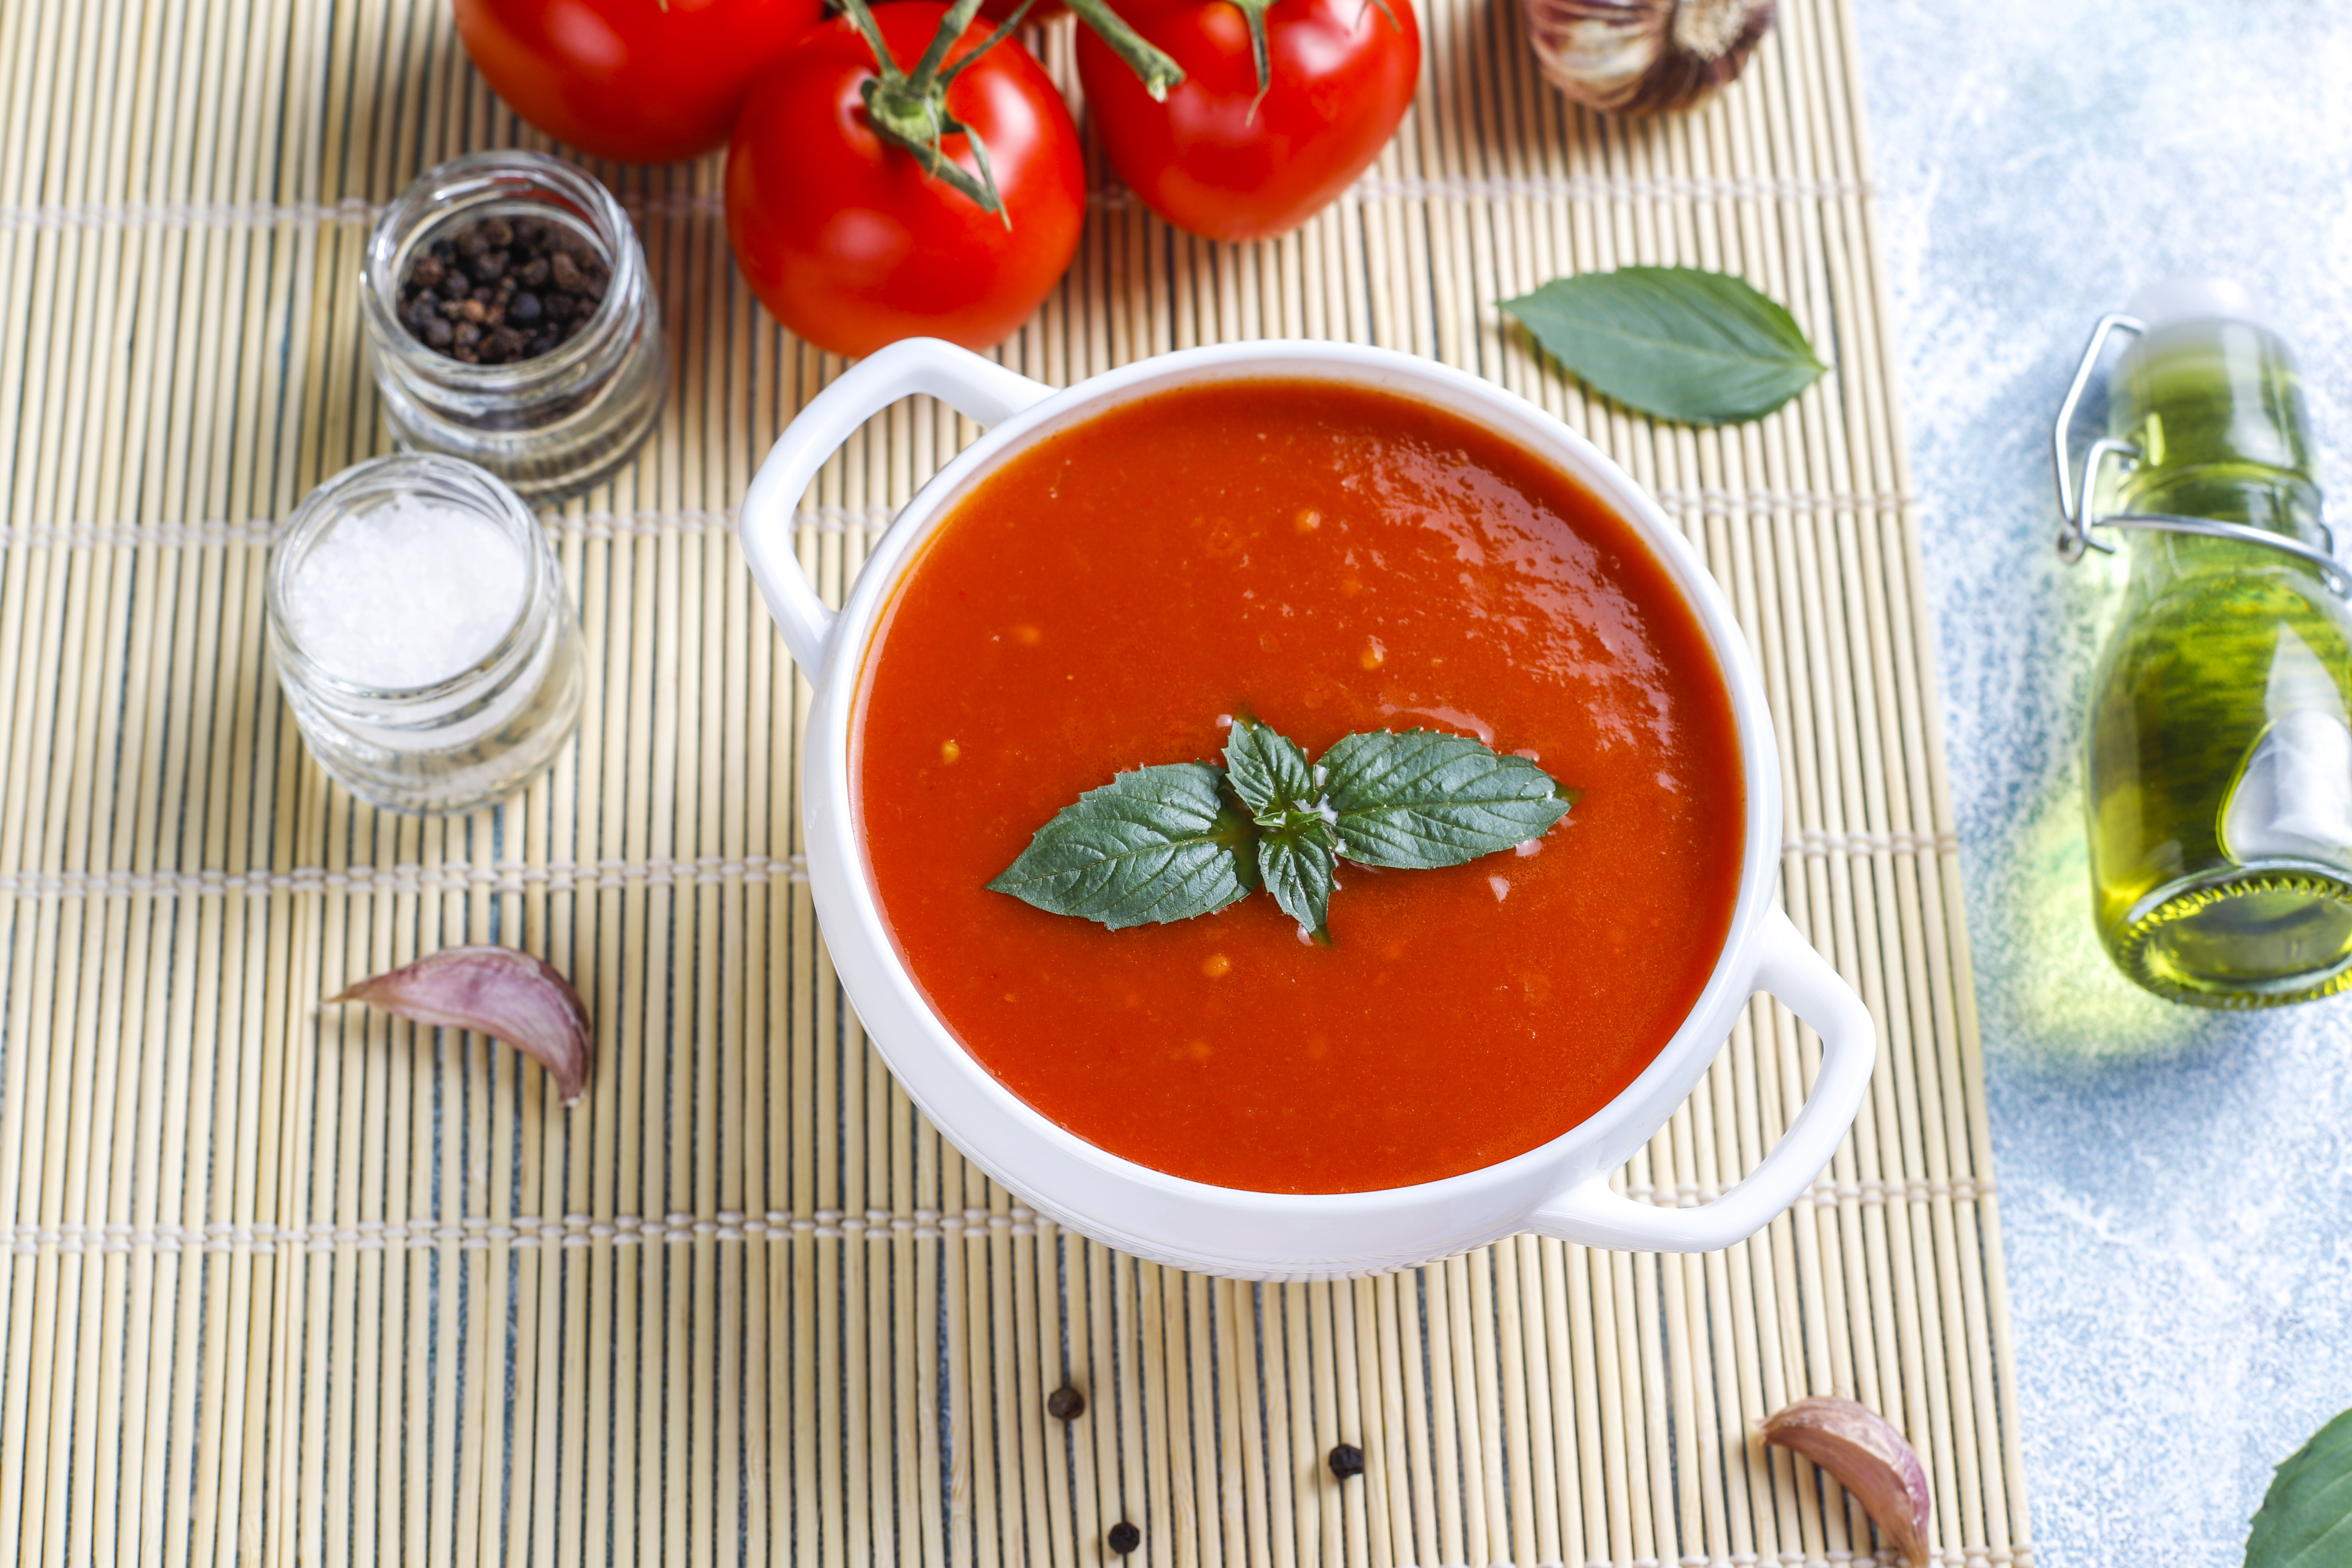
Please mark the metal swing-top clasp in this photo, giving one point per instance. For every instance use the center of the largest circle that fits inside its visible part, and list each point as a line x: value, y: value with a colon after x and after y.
x: 2076, y: 521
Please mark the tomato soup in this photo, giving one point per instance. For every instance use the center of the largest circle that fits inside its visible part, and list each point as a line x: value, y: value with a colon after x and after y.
x: 1328, y: 559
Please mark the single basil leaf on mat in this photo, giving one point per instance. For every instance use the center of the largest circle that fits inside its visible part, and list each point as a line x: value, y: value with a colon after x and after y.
x: 1422, y: 798
x: 1703, y: 348
x: 1155, y: 845
x: 2305, y: 1519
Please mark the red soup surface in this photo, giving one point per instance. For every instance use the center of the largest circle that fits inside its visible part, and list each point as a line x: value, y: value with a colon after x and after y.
x: 1329, y: 559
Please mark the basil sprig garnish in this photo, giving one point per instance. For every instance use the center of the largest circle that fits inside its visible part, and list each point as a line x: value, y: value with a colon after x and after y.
x: 1185, y: 839
x: 1704, y: 348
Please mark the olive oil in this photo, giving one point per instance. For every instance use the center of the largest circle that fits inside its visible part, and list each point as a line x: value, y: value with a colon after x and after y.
x: 2221, y: 735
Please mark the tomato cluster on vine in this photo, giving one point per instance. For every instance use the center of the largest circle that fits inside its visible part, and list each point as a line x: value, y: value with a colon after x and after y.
x: 907, y: 169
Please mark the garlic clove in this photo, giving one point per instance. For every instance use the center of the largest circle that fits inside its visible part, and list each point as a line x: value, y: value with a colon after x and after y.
x: 1644, y: 56
x: 1870, y: 1460
x: 495, y: 990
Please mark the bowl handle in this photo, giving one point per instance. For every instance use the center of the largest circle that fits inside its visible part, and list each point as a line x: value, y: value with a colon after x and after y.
x: 1789, y: 969
x: 979, y: 387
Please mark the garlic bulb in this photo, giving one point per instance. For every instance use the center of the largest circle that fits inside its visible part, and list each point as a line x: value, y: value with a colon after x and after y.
x: 1641, y: 57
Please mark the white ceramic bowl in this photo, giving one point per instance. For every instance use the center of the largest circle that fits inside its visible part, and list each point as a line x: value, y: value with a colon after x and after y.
x: 1560, y: 1189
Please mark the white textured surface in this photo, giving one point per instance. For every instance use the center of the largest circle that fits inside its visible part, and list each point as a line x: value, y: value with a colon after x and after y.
x: 2175, y: 1188
x: 406, y: 593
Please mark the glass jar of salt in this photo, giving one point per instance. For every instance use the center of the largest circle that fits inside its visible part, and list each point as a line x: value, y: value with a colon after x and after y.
x: 509, y: 322
x: 423, y: 635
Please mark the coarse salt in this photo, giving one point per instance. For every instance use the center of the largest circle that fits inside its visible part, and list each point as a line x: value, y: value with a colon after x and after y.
x: 406, y: 594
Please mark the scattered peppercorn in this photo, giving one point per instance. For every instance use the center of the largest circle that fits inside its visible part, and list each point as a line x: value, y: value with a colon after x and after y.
x: 1125, y: 1538
x: 481, y: 295
x: 1065, y: 1403
x: 1347, y: 1461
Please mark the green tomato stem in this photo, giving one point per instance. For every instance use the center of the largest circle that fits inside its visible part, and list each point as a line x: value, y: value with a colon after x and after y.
x: 1158, y: 70
x: 909, y: 109
x: 1254, y: 13
x: 1004, y: 29
x: 951, y: 26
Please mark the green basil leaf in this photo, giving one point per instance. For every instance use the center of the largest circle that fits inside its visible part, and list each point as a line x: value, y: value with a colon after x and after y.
x: 1268, y: 771
x: 1155, y: 845
x: 1703, y: 348
x: 2305, y: 1519
x: 1297, y: 848
x: 1298, y: 867
x: 1422, y: 799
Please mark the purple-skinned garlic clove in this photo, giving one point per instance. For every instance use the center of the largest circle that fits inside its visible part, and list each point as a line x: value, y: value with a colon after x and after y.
x: 1869, y: 1458
x: 493, y: 991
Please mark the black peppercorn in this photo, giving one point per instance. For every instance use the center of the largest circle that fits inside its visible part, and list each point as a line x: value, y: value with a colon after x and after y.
x: 1125, y: 1538
x: 1347, y: 1461
x: 481, y: 295
x: 1065, y: 1403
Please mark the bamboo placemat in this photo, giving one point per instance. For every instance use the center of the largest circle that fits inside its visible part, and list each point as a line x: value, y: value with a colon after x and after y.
x: 285, y: 1285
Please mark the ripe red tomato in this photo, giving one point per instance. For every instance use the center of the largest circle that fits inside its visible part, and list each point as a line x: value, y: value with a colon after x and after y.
x: 645, y: 81
x: 1217, y: 160
x: 846, y: 238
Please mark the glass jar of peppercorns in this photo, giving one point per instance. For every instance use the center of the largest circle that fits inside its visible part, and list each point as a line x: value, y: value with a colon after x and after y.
x: 509, y: 322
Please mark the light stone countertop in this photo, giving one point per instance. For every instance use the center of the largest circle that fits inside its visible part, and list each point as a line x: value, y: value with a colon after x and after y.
x: 2176, y: 1187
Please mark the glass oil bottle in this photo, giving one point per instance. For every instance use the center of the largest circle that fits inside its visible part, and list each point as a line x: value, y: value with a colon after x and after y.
x: 2220, y: 725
